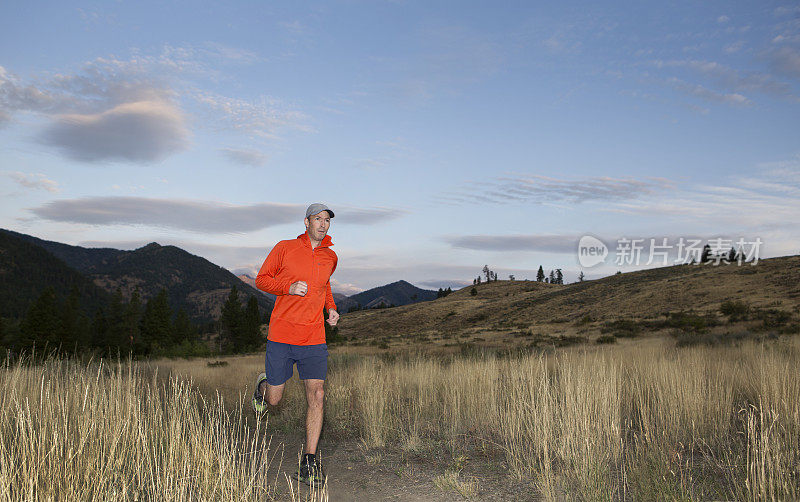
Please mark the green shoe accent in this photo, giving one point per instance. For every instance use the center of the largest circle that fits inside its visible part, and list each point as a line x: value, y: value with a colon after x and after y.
x: 259, y: 400
x: 312, y: 475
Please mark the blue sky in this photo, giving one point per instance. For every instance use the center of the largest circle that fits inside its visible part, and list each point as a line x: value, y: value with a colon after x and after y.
x: 446, y: 135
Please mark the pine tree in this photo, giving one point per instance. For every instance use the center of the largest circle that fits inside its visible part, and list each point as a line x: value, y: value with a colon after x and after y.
x: 559, y: 276
x: 732, y: 255
x: 540, y: 275
x: 157, y: 324
x: 99, y: 329
x: 252, y: 337
x: 115, y: 323
x: 182, y: 328
x: 74, y: 324
x: 581, y: 276
x: 552, y: 277
x: 706, y: 255
x: 232, y: 322
x: 42, y: 324
x: 131, y: 341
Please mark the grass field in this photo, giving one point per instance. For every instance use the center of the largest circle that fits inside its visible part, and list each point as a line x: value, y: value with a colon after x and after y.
x: 644, y: 421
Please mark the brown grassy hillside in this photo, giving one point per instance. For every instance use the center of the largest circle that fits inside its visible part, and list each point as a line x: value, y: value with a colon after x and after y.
x: 586, y: 308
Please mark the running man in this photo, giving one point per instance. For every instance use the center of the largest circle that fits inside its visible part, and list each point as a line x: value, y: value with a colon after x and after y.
x: 298, y: 272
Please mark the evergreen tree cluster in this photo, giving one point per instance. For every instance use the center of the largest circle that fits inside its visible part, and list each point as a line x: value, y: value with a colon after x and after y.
x: 240, y: 327
x: 731, y: 256
x: 488, y: 273
x: 135, y: 327
x: 555, y: 276
x: 443, y: 292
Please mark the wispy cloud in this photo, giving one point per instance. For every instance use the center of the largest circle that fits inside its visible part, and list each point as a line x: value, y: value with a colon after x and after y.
x: 767, y: 200
x: 786, y: 60
x: 540, y: 243
x: 34, y: 181
x: 441, y: 59
x: 367, y: 216
x: 345, y: 288
x: 245, y: 156
x: 263, y: 117
x: 193, y: 215
x: 545, y: 189
x: 706, y: 93
x: 132, y: 109
x: 730, y: 83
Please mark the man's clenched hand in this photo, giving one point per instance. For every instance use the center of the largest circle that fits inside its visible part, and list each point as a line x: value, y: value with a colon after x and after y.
x: 298, y: 288
x: 333, y: 317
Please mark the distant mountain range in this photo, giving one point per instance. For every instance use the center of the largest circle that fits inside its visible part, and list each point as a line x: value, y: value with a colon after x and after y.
x: 192, y: 283
x: 28, y: 265
x: 394, y: 294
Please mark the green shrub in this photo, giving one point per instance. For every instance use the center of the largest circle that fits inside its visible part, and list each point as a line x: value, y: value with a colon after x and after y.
x: 773, y: 318
x: 686, y: 322
x: 791, y: 329
x: 604, y: 339
x: 736, y: 310
x: 622, y: 328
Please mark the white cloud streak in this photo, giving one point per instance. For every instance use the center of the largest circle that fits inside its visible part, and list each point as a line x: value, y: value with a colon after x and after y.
x: 730, y: 83
x: 537, y: 243
x: 545, y: 189
x: 34, y: 181
x: 193, y: 215
x: 245, y: 156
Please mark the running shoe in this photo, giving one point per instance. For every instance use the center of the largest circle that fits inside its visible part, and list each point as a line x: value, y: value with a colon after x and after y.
x: 259, y: 400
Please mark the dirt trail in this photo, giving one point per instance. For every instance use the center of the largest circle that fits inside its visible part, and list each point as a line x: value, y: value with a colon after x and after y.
x: 356, y: 474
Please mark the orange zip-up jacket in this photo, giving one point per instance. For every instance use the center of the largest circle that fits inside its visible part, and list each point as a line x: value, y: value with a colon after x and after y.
x: 298, y: 320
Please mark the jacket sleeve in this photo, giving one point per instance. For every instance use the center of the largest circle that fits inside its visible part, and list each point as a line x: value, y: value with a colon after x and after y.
x: 267, y: 278
x: 329, y: 303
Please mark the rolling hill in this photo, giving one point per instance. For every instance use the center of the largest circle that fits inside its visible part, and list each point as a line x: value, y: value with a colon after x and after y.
x: 504, y: 307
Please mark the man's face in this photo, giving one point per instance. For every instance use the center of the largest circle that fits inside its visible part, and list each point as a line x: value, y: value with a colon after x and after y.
x: 317, y: 225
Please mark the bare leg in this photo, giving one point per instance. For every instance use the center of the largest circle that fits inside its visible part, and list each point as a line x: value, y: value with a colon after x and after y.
x: 315, y: 394
x: 273, y: 393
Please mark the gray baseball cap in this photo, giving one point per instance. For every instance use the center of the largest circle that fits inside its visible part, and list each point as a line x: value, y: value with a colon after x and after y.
x: 317, y: 208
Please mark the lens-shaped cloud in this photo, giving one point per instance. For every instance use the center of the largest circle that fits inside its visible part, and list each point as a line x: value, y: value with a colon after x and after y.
x: 145, y: 131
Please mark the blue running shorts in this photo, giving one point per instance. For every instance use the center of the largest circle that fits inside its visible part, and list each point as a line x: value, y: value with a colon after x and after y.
x: 312, y: 361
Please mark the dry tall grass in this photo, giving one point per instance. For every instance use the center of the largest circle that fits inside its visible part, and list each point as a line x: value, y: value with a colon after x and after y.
x: 628, y: 423
x: 649, y: 422
x: 71, y: 431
